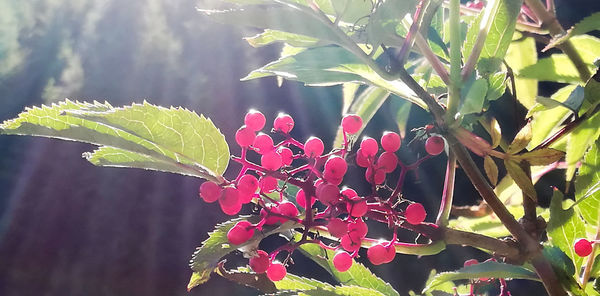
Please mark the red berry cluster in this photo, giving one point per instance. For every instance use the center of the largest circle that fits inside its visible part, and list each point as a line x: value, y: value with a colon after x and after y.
x: 340, y: 212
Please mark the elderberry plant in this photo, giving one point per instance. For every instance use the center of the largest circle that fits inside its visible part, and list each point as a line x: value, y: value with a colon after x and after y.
x: 453, y: 62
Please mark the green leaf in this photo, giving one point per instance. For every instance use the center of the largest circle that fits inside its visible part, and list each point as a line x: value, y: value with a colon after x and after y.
x: 544, y: 156
x: 336, y: 291
x: 141, y: 135
x: 521, y: 54
x: 496, y: 86
x: 401, y: 110
x: 587, y: 185
x: 357, y: 275
x: 588, y: 24
x: 244, y: 276
x: 475, y: 97
x: 348, y: 93
x: 521, y: 177
x: 564, y: 227
x: 385, y: 21
x: 488, y: 269
x: 271, y: 36
x: 491, y: 169
x: 521, y: 140
x: 294, y: 283
x: 546, y: 122
x: 580, y: 140
x: 559, y: 260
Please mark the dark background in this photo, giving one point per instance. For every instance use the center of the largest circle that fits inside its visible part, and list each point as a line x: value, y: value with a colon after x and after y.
x: 69, y: 228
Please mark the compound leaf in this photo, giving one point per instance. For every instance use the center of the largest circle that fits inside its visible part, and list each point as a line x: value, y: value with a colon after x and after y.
x: 564, y: 227
x: 587, y: 185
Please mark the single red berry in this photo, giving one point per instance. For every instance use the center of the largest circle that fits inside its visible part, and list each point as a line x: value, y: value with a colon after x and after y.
x: 342, y: 261
x: 231, y: 210
x: 288, y: 209
x: 470, y: 262
x: 244, y: 136
x: 357, y: 207
x: 263, y: 143
x: 271, y: 160
x: 415, y: 213
x: 260, y: 263
x: 380, y: 254
x: 301, y: 199
x: 390, y: 141
x: 369, y: 146
x: 267, y: 184
x: 337, y: 227
x: 349, y: 193
x: 351, y: 123
x: 271, y: 219
x: 283, y: 123
x: 276, y: 271
x: 328, y: 193
x: 336, y: 166
x: 247, y: 184
x: 229, y: 197
x: 358, y: 227
x: 210, y: 191
x: 434, y: 145
x: 376, y: 176
x: 583, y: 247
x: 240, y: 233
x: 255, y: 120
x: 286, y: 155
x: 361, y: 159
x: 313, y: 147
x: 387, y: 162
x: 350, y: 242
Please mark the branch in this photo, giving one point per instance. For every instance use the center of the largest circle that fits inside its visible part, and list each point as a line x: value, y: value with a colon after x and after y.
x: 448, y: 194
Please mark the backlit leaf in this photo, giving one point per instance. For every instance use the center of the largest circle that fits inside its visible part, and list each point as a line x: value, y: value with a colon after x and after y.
x: 491, y: 169
x: 522, y: 178
x: 521, y: 54
x: 587, y: 185
x: 521, y: 140
x: 564, y: 227
x: 542, y: 156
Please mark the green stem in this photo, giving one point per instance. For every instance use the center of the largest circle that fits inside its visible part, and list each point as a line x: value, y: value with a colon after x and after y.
x: 455, y: 60
x: 484, y: 28
x: 448, y: 194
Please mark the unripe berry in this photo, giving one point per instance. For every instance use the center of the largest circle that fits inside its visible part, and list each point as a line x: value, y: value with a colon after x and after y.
x: 286, y: 155
x: 342, y: 261
x: 390, y: 141
x: 328, y: 193
x: 263, y: 143
x: 210, y: 191
x: 415, y: 213
x: 287, y: 208
x: 271, y: 160
x: 434, y: 145
x: 337, y: 227
x: 357, y: 207
x: 283, y: 123
x: 255, y: 120
x: 244, y: 136
x: 350, y: 242
x: 267, y: 184
x: 387, y: 162
x: 260, y: 263
x: 361, y: 159
x: 336, y: 167
x: 351, y: 123
x: 301, y: 199
x: 229, y: 197
x: 359, y: 228
x: 583, y: 247
x: 313, y: 147
x: 240, y: 233
x: 276, y: 271
x: 247, y: 184
x: 380, y: 254
x: 369, y: 147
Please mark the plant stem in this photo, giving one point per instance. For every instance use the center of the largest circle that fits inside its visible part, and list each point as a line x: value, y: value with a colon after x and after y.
x: 484, y: 28
x: 455, y: 59
x: 547, y: 275
x: 436, y: 64
x: 448, y: 194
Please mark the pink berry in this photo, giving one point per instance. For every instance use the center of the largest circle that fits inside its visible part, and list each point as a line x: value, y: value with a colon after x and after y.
x: 337, y: 227
x: 231, y: 210
x: 244, y: 136
x: 357, y: 207
x: 359, y: 228
x: 255, y: 120
x: 351, y: 242
x: 342, y: 261
x: 380, y: 254
x: 375, y: 176
x: 471, y: 262
x: 313, y: 147
x: 267, y: 184
x: 260, y: 263
x: 583, y: 247
x: 434, y: 145
x: 415, y: 213
x: 263, y: 143
x: 210, y: 191
x: 387, y: 162
x: 240, y: 233
x: 361, y: 159
x: 351, y: 123
x: 390, y: 141
x: 328, y: 193
x: 271, y: 160
x: 229, y: 197
x: 271, y: 219
x: 369, y: 147
x: 335, y: 167
x: 286, y: 155
x: 283, y: 123
x: 247, y: 184
x: 301, y: 199
x: 349, y: 193
x: 276, y: 271
x: 288, y: 209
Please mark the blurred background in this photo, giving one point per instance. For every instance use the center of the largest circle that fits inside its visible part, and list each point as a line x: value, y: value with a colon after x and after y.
x: 69, y: 228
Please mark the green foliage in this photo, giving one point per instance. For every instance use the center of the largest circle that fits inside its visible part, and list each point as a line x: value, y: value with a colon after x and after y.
x: 520, y: 54
x: 587, y: 185
x: 588, y: 24
x: 547, y: 121
x: 141, y: 135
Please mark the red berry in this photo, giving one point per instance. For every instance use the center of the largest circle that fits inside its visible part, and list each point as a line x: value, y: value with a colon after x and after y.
x: 286, y: 155
x: 244, y: 136
x: 357, y: 207
x: 342, y: 261
x: 358, y: 227
x: 337, y: 227
x: 287, y: 208
x: 210, y: 191
x: 351, y: 123
x: 376, y: 176
x: 255, y: 120
x: 328, y: 193
x: 349, y: 193
x: 387, y: 162
x: 471, y: 262
x: 301, y: 199
x: 380, y: 254
x: 350, y: 242
x: 263, y: 143
x: 232, y: 210
x: 390, y: 141
x: 283, y: 123
x: 313, y: 147
x: 335, y: 167
x: 271, y: 219
x: 271, y: 160
x: 240, y: 233
x: 369, y: 147
x: 260, y: 263
x: 247, y: 184
x: 361, y: 159
x: 229, y: 197
x: 267, y: 184
x: 415, y: 213
x: 434, y: 145
x: 276, y: 271
x: 583, y: 247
